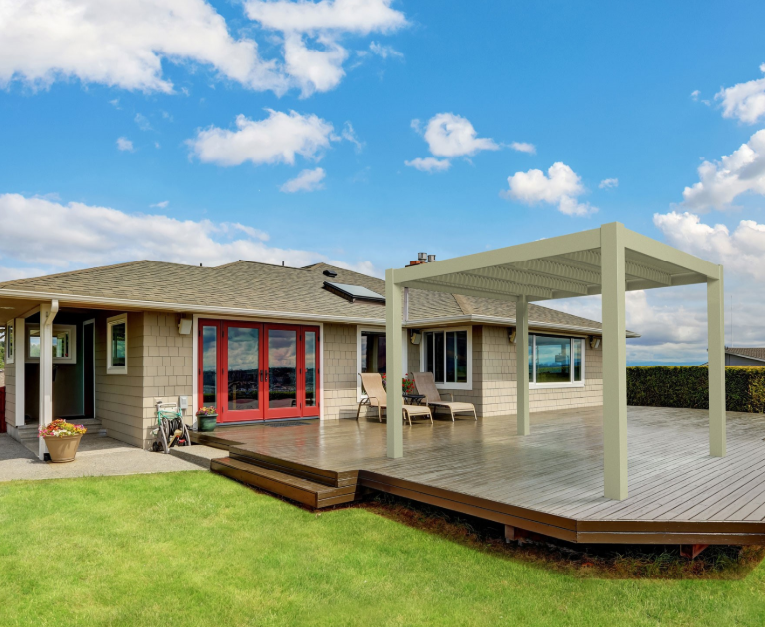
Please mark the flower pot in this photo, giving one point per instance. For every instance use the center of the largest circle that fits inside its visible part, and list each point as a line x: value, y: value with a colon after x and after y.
x: 64, y: 448
x: 207, y: 423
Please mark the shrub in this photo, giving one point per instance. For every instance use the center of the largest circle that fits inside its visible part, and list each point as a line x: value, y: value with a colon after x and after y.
x: 688, y: 386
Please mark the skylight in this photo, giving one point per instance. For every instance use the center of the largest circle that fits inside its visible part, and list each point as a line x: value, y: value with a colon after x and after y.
x: 354, y: 293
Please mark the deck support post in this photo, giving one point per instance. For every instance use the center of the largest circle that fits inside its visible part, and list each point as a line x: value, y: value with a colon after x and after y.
x: 47, y: 313
x: 20, y: 358
x: 716, y: 337
x: 522, y: 364
x: 394, y: 302
x: 614, y: 361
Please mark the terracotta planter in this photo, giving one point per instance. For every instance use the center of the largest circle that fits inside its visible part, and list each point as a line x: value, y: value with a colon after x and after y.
x: 207, y: 423
x: 62, y: 449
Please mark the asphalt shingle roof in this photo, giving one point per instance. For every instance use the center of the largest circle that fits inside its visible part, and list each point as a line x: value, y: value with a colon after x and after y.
x: 266, y: 287
x: 754, y: 353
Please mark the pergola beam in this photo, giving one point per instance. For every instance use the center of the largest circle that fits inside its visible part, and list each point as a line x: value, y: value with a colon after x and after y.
x: 531, y: 278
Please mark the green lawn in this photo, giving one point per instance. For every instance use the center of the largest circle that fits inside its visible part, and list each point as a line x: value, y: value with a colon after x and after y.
x: 193, y: 548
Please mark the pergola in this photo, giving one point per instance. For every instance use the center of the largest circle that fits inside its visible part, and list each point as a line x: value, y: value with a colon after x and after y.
x: 609, y: 260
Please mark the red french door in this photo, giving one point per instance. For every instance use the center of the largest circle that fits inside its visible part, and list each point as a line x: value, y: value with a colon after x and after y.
x: 252, y: 371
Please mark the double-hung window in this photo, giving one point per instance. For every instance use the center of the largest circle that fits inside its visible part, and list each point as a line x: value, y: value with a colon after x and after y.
x: 447, y: 354
x: 556, y: 361
x: 63, y: 343
x: 116, y: 345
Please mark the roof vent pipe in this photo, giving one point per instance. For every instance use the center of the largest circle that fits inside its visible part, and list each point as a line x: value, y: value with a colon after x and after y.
x: 422, y: 256
x: 431, y: 258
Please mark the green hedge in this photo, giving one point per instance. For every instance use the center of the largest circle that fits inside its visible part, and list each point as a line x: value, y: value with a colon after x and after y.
x: 688, y: 386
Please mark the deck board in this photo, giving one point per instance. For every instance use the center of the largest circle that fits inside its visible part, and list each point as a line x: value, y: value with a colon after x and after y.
x: 553, y: 474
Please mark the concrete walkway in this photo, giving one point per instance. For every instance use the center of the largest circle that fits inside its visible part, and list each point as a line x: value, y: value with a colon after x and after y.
x: 96, y: 456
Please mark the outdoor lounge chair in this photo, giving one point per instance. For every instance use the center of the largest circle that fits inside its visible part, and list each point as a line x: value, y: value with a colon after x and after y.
x: 377, y: 397
x: 426, y: 386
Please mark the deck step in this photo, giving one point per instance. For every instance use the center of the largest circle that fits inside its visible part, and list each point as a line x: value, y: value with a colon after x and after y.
x: 304, y: 491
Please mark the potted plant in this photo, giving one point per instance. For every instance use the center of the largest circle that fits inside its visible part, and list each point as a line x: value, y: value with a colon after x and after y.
x: 207, y: 418
x: 407, y: 384
x: 62, y: 439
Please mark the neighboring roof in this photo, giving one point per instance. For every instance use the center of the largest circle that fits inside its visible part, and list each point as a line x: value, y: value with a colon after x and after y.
x: 253, y: 288
x: 757, y: 354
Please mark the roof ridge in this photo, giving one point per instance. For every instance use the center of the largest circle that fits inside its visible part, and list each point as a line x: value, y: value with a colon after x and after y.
x: 464, y: 304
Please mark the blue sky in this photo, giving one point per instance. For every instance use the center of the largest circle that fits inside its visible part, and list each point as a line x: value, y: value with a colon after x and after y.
x: 605, y: 90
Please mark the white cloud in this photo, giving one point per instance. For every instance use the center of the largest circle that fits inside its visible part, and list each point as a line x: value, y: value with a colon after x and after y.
x: 276, y: 139
x: 723, y: 181
x: 429, y: 164
x: 348, y: 134
x: 142, y: 122
x: 306, y: 181
x: 72, y: 235
x: 326, y: 21
x: 742, y: 251
x: 161, y: 205
x: 123, y: 43
x: 695, y: 95
x: 124, y: 144
x: 385, y: 51
x: 450, y: 135
x: 354, y: 16
x: 314, y: 70
x: 744, y: 101
x: 561, y: 186
x: 609, y: 183
x: 530, y: 149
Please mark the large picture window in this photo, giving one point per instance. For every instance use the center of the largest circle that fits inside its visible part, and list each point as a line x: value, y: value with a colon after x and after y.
x: 373, y: 351
x: 556, y: 361
x: 446, y: 353
x: 116, y: 345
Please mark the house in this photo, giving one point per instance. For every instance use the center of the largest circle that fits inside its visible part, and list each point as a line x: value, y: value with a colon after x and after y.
x: 744, y: 356
x: 262, y: 342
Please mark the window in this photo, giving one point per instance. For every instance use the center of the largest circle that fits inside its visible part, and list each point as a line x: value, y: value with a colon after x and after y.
x: 556, y: 361
x: 9, y: 342
x: 373, y: 351
x: 63, y: 343
x: 116, y: 345
x: 447, y: 354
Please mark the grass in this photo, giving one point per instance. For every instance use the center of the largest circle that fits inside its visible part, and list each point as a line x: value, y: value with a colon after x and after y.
x: 197, y: 549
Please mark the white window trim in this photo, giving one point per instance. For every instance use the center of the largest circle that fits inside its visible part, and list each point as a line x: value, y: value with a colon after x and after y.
x: 533, y: 385
x: 404, y: 357
x: 423, y: 361
x: 10, y: 330
x: 110, y: 322
x: 72, y: 359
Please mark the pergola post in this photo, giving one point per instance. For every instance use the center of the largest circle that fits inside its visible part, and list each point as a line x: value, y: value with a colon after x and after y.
x: 522, y: 364
x: 20, y: 358
x: 614, y: 362
x: 46, y: 371
x: 394, y: 301
x: 716, y: 337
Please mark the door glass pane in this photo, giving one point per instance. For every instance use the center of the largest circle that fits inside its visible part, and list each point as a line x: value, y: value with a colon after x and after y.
x: 372, y: 352
x: 451, y: 357
x: 118, y: 344
x: 243, y: 363
x: 438, y: 374
x: 531, y: 358
x: 461, y: 358
x: 553, y: 359
x: 210, y: 366
x: 578, y: 351
x: 282, y: 368
x: 310, y: 369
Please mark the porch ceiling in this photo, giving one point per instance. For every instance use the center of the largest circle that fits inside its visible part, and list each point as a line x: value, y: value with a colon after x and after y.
x: 15, y: 308
x: 560, y: 267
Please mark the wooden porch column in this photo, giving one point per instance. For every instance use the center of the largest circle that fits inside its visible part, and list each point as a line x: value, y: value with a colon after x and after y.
x: 46, y: 370
x: 522, y: 364
x: 614, y: 361
x: 394, y: 301
x: 716, y: 336
x: 19, y: 361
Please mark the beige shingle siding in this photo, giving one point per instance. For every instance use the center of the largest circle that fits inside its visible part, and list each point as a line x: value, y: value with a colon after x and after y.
x: 160, y: 366
x: 10, y: 394
x: 340, y: 367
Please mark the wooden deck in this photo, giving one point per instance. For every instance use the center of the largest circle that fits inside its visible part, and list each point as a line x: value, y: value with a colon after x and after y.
x: 549, y: 482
